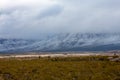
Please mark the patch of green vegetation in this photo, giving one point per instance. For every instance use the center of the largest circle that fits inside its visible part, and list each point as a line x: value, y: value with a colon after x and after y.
x: 60, y: 68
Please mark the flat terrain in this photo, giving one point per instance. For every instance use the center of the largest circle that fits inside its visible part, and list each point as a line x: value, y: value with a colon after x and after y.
x: 59, y: 67
x: 59, y: 54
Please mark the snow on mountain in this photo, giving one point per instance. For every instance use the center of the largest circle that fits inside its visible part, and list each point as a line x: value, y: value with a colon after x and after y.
x: 64, y: 42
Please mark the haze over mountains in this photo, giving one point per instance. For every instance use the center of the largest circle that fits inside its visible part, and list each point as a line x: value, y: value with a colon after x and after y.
x: 64, y: 42
x: 29, y: 18
x: 59, y: 25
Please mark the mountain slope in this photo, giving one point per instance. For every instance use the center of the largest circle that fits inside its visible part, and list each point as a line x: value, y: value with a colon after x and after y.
x: 64, y: 42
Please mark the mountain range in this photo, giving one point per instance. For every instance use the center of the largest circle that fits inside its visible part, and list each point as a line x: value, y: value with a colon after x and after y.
x: 63, y: 42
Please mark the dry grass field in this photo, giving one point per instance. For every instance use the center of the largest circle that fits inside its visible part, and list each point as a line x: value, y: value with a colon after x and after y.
x: 60, y: 68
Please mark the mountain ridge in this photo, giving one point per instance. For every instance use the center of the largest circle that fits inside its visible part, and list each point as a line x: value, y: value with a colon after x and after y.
x: 64, y: 42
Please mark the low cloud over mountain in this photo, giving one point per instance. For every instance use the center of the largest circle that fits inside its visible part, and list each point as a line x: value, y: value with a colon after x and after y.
x: 30, y: 18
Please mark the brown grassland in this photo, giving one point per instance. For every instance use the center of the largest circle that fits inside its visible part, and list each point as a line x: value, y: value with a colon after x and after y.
x: 60, y: 68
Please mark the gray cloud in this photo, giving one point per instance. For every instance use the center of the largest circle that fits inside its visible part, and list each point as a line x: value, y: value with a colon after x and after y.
x: 29, y: 20
x: 52, y: 11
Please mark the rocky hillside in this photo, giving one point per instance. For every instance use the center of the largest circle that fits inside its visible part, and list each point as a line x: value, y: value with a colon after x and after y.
x: 64, y: 42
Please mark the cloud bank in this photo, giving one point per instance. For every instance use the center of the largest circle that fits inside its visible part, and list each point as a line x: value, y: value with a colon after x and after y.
x: 32, y: 18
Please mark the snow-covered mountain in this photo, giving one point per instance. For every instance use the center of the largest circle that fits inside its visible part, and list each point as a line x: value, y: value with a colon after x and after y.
x: 64, y: 42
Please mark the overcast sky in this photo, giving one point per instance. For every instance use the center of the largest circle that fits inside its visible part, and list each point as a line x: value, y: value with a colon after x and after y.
x: 30, y: 18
